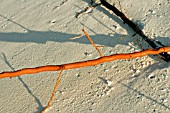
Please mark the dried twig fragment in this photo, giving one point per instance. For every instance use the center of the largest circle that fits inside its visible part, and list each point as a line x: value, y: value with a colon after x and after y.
x: 86, y: 10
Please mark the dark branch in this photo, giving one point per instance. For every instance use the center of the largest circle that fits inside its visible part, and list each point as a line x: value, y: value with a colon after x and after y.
x: 164, y: 56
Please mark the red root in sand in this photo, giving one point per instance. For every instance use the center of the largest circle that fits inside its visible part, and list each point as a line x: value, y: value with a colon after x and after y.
x: 85, y: 63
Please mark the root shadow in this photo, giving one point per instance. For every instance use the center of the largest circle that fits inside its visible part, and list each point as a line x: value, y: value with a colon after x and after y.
x: 40, y: 107
x: 144, y: 95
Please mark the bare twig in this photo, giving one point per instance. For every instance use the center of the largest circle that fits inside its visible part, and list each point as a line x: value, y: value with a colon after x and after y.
x: 86, y: 10
x: 120, y: 6
x: 91, y: 2
x: 164, y: 56
x: 77, y: 37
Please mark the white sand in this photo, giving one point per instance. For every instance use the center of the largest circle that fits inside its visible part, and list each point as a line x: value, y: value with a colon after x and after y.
x: 36, y: 32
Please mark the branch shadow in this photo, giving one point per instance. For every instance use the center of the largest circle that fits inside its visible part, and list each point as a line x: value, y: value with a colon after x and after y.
x: 142, y: 94
x: 148, y: 71
x: 40, y: 107
x: 41, y: 37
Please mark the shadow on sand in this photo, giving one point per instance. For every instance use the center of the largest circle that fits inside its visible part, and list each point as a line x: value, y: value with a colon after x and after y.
x: 160, y: 65
x: 40, y: 107
x: 41, y: 37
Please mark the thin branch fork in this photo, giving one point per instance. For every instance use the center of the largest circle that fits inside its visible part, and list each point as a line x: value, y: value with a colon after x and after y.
x: 85, y: 63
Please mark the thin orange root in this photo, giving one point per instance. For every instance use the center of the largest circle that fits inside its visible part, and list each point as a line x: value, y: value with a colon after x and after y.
x: 91, y: 41
x: 53, y: 93
x: 84, y: 63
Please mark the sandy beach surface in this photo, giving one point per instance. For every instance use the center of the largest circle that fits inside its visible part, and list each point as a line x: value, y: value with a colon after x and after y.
x: 37, y: 33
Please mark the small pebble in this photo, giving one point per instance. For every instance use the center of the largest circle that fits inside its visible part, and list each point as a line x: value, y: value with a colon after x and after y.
x: 78, y: 75
x: 109, y: 83
x: 87, y: 54
x: 106, y: 70
x: 137, y: 71
x: 151, y: 76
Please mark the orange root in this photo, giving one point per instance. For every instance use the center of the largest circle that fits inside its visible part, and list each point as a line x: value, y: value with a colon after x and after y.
x: 84, y: 63
x: 91, y: 41
x: 53, y: 93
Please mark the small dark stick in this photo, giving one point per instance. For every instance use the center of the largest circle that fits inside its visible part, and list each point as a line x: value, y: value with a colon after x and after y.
x: 86, y: 9
x: 91, y: 2
x: 164, y: 56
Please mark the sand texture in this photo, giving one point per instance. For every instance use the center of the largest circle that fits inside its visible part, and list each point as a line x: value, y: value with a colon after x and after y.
x: 37, y: 32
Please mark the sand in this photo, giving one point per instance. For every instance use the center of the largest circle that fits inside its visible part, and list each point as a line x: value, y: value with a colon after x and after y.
x: 36, y: 33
